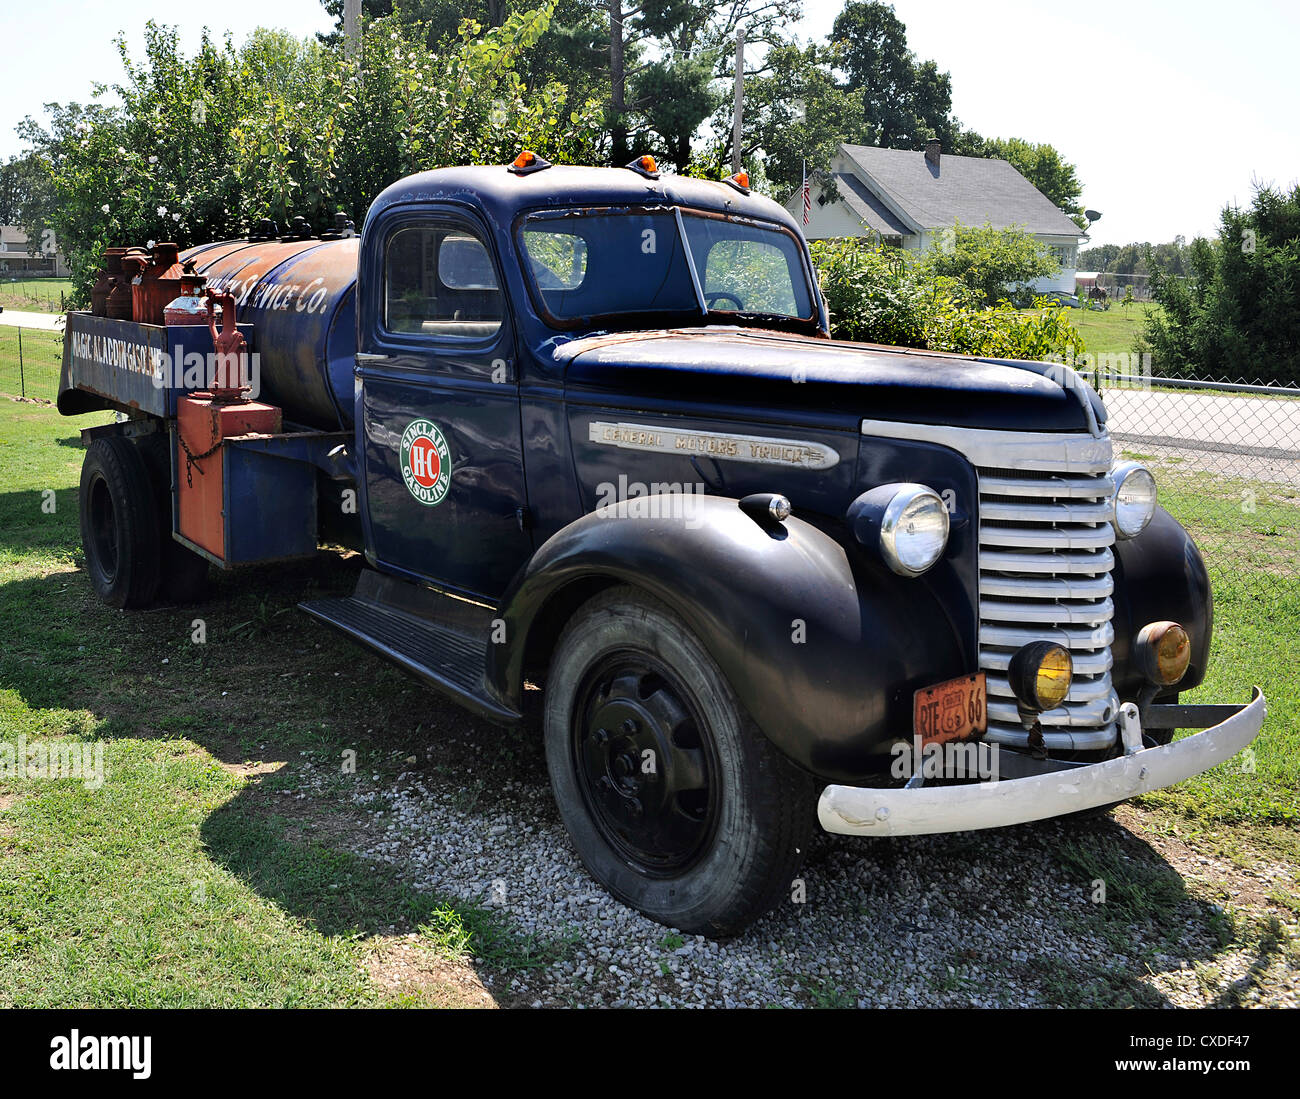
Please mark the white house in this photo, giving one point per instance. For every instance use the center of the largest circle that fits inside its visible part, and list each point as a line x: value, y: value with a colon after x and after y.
x: 908, y: 199
x: 17, y: 261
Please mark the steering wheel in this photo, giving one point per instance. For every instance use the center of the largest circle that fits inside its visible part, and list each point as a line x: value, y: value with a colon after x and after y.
x: 711, y: 298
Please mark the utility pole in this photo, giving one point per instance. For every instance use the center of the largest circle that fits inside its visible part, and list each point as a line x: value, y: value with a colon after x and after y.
x: 617, y: 79
x: 740, y: 99
x: 351, y: 28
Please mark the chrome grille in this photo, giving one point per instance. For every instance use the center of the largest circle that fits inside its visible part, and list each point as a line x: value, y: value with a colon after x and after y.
x: 1045, y: 560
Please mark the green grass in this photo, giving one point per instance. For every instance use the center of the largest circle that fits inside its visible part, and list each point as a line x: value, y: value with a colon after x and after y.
x: 41, y: 358
x: 1254, y: 561
x: 1138, y: 889
x: 825, y: 994
x: 1113, y: 329
x: 187, y: 878
x: 33, y: 295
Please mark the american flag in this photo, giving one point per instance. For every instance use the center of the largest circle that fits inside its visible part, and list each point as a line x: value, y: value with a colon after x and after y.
x: 806, y: 191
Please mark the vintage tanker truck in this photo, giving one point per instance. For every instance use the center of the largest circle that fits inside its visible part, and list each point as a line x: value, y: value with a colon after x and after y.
x: 595, y: 438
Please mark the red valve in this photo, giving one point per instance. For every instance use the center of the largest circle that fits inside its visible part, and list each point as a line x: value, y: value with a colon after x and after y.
x: 230, y: 349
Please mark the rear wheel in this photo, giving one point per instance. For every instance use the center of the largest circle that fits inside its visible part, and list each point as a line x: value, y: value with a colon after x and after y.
x: 675, y: 802
x: 119, y: 524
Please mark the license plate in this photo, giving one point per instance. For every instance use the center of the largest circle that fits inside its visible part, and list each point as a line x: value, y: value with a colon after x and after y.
x: 954, y: 710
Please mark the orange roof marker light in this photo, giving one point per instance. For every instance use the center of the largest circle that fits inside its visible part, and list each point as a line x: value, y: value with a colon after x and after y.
x: 645, y: 166
x: 740, y: 181
x: 528, y: 161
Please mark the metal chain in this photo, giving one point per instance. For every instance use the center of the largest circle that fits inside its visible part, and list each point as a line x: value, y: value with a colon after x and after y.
x: 192, y: 459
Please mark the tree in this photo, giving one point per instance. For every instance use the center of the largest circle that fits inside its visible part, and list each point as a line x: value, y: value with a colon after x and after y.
x: 796, y: 113
x: 1238, y: 314
x: 686, y: 93
x: 905, y: 102
x: 199, y: 148
x: 1139, y: 258
x: 872, y: 50
x: 990, y: 263
x: 658, y: 65
x: 1098, y: 258
x: 571, y: 51
x: 692, y: 43
x: 26, y: 196
x: 1045, y: 168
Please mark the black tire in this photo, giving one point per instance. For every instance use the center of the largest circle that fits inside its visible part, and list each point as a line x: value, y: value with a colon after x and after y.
x: 119, y: 524
x: 184, y: 573
x: 715, y: 838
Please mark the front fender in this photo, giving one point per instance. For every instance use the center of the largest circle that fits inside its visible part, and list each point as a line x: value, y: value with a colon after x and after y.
x: 823, y: 647
x: 1159, y: 575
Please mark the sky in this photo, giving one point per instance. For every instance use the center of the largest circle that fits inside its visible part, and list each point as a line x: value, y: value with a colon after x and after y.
x: 1168, y: 108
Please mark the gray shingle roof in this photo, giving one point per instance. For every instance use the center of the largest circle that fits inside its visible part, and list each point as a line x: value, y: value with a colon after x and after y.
x: 869, y: 209
x: 968, y: 189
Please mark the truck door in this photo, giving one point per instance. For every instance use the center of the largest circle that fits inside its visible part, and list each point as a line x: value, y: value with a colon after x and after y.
x: 438, y: 404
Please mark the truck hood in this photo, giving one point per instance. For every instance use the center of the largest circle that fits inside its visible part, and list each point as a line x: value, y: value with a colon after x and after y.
x: 756, y: 368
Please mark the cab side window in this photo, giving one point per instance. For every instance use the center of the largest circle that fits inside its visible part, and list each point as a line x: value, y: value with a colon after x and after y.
x: 439, y: 281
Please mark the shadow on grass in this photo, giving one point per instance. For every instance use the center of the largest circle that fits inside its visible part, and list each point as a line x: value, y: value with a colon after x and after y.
x: 339, y: 893
x: 1050, y: 869
x: 268, y: 684
x: 28, y: 523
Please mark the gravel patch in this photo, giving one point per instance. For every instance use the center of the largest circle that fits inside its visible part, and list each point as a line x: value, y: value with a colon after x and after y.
x: 987, y: 919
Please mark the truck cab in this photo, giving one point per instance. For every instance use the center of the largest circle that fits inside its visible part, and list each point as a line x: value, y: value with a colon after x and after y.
x: 589, y: 429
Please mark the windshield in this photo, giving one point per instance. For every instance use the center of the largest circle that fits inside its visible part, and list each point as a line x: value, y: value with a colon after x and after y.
x: 609, y: 262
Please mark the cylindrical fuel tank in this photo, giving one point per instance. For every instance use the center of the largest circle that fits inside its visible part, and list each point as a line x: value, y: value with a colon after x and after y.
x: 301, y: 297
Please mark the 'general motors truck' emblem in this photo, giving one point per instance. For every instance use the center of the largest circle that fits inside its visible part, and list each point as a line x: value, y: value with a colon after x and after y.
x: 714, y: 444
x: 426, y: 462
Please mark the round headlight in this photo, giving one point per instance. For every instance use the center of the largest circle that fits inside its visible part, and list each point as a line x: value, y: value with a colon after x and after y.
x: 1134, y: 500
x: 1039, y: 675
x: 913, y: 530
x: 1163, y: 652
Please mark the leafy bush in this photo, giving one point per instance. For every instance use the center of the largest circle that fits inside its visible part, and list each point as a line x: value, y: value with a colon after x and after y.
x: 875, y: 295
x: 1005, y: 332
x: 882, y: 295
x: 1238, y: 315
x: 991, y: 263
x: 202, y: 147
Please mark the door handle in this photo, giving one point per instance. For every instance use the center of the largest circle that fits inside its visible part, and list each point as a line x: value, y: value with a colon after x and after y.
x: 365, y: 358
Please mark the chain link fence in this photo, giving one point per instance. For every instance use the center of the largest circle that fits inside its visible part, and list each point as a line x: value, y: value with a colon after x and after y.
x: 1227, y: 463
x: 29, y: 361
x: 42, y: 295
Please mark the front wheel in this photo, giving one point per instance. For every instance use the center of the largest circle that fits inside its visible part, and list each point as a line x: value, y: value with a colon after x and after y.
x: 675, y: 802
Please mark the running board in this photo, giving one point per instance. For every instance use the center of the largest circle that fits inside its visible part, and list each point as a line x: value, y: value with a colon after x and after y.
x: 446, y: 659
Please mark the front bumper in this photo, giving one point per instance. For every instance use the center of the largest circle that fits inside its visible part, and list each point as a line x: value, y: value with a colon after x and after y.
x: 924, y: 810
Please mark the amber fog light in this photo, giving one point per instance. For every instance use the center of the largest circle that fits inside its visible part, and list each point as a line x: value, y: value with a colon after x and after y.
x: 1163, y: 652
x: 1040, y: 675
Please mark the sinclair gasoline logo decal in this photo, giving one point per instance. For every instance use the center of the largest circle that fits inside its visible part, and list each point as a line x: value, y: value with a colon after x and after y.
x: 426, y: 462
